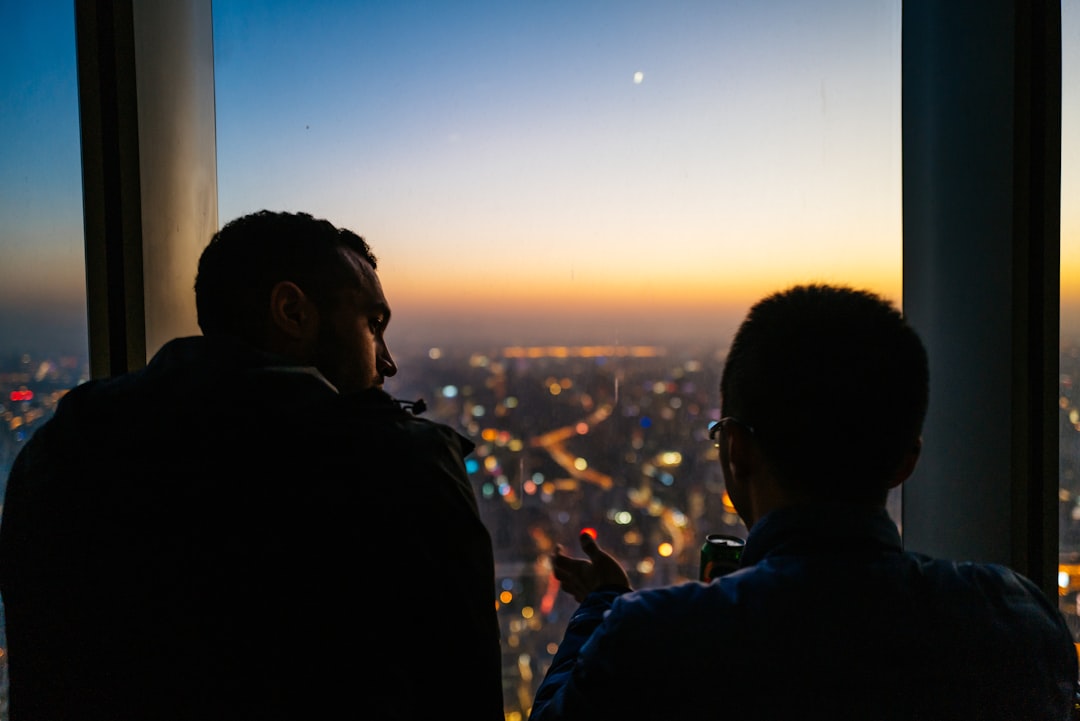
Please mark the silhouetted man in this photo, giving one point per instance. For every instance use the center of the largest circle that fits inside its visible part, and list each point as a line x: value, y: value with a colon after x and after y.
x: 823, y: 396
x: 250, y: 527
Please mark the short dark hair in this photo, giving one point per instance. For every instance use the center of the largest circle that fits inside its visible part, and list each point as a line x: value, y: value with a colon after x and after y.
x: 249, y: 255
x: 835, y: 383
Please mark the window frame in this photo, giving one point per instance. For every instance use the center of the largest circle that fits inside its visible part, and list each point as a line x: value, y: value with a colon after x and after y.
x: 974, y: 76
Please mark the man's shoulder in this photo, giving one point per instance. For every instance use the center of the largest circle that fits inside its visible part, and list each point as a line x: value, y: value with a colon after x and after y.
x: 682, y: 605
x: 376, y: 407
x: 981, y: 578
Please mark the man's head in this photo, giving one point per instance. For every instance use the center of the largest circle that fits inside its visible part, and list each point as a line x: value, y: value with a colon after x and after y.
x: 297, y: 286
x: 835, y: 385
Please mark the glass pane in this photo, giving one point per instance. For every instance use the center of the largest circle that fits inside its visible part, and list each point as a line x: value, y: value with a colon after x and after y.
x: 43, y: 337
x: 573, y: 206
x: 1069, y: 451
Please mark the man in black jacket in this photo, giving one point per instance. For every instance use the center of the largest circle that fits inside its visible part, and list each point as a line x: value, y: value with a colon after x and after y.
x: 250, y: 527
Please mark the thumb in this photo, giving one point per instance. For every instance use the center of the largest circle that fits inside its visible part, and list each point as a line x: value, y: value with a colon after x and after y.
x: 589, y: 545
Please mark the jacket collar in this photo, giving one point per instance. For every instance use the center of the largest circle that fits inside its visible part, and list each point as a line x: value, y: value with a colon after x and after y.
x: 850, y: 527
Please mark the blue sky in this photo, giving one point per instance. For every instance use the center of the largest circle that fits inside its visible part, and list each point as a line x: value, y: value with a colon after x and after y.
x: 602, y: 162
x: 609, y: 170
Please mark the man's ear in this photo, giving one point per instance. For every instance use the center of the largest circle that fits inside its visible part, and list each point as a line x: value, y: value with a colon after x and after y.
x: 907, y: 465
x: 742, y: 452
x: 291, y: 311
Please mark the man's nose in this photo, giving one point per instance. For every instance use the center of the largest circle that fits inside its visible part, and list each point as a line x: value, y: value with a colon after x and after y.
x: 387, y: 366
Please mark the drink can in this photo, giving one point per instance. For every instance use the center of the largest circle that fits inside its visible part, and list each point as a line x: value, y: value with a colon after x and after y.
x: 720, y: 554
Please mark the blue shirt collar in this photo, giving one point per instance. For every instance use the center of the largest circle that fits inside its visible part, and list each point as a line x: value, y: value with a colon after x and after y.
x: 825, y: 525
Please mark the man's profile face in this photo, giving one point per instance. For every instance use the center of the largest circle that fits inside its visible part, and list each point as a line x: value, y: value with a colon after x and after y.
x: 351, y: 349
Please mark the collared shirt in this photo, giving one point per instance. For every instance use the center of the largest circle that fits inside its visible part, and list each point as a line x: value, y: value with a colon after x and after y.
x: 828, y: 618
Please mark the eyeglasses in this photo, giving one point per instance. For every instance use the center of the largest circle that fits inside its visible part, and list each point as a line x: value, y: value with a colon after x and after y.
x: 717, y: 426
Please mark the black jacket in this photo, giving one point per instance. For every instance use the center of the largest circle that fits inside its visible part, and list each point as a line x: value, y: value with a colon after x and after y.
x: 219, y: 536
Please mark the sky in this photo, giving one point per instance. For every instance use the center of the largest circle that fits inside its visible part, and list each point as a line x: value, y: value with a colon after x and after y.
x: 609, y: 170
x: 615, y: 171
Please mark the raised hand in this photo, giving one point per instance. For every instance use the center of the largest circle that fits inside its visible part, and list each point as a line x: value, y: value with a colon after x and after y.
x: 579, y: 576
